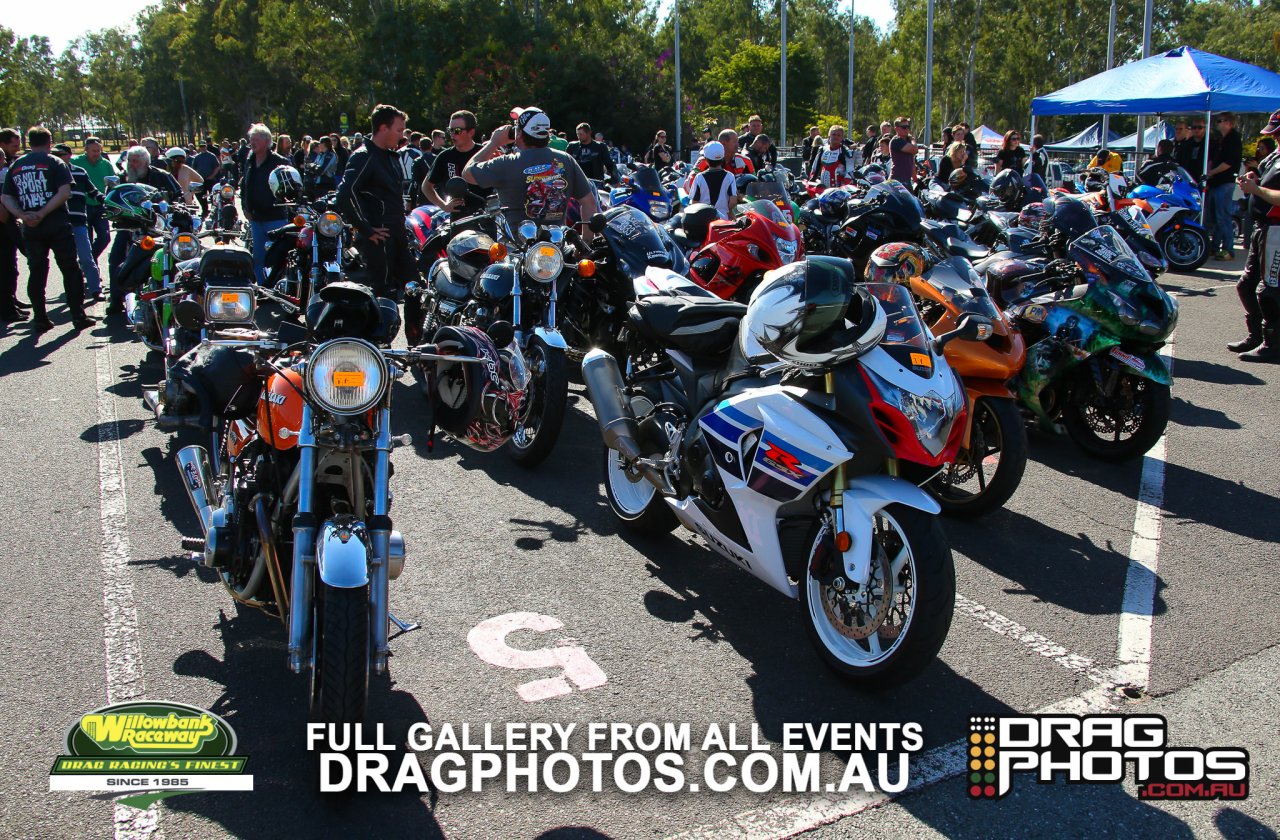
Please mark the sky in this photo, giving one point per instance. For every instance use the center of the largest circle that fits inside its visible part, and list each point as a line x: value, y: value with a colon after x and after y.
x: 880, y: 11
x: 73, y: 18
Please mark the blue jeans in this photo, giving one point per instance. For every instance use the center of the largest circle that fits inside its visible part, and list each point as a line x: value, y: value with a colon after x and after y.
x: 99, y: 229
x: 88, y: 264
x: 1222, y: 229
x: 259, y: 231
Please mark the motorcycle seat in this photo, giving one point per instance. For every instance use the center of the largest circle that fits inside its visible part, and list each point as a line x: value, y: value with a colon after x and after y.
x: 699, y: 326
x: 966, y: 247
x: 697, y: 221
x: 282, y: 232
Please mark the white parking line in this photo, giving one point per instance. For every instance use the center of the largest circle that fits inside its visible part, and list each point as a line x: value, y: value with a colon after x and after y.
x: 119, y: 614
x: 1042, y: 645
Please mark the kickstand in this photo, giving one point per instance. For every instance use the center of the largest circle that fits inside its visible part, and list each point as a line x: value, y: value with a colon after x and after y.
x: 403, y: 626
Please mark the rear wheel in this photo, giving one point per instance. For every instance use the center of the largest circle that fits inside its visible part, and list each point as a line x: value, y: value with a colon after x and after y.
x: 985, y: 475
x: 542, y: 414
x: 1120, y: 424
x: 634, y: 500
x: 340, y: 668
x: 1185, y: 248
x: 888, y: 628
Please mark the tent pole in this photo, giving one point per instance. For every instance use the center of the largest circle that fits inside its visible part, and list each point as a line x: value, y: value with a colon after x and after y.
x: 1031, y: 142
x: 1204, y: 204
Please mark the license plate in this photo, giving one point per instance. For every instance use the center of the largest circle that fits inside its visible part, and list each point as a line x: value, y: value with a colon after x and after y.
x: 230, y: 297
x: 921, y: 360
x: 348, y: 378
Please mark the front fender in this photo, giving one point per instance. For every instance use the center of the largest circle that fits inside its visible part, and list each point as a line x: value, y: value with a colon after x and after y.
x: 342, y: 553
x: 551, y: 337
x: 1147, y: 365
x: 862, y: 499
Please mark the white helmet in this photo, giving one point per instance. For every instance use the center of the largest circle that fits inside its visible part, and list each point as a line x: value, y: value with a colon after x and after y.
x: 812, y: 315
x: 176, y: 152
x: 285, y: 183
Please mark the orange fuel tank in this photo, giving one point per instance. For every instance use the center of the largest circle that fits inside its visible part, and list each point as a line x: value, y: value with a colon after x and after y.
x: 280, y: 408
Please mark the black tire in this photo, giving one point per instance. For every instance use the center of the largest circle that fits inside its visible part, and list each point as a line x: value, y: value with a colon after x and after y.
x: 999, y: 424
x: 1082, y: 416
x: 549, y: 395
x: 651, y: 518
x: 340, y: 673
x: 1179, y: 248
x: 934, y: 584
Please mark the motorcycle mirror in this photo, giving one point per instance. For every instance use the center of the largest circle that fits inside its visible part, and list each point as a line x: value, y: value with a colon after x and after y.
x: 501, y: 333
x: 597, y: 223
x: 971, y: 328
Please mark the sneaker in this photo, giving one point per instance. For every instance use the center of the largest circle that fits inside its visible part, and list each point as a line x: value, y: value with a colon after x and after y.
x: 83, y: 322
x: 1266, y: 353
x: 1244, y: 345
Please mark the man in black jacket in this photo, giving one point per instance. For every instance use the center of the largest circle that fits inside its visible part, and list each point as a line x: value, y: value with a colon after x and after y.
x: 261, y: 207
x: 592, y: 156
x: 371, y: 197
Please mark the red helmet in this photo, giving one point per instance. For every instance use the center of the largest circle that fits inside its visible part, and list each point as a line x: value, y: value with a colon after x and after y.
x: 1032, y: 215
x: 896, y: 262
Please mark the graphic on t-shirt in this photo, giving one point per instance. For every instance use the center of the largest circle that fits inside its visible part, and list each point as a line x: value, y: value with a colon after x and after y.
x: 32, y: 185
x: 545, y: 191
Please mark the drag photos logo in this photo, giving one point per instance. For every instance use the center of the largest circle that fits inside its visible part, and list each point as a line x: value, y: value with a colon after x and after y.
x: 148, y: 750
x: 1099, y: 749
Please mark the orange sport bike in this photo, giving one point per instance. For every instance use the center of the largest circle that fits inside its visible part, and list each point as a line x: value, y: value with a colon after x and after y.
x: 993, y: 455
x: 295, y: 516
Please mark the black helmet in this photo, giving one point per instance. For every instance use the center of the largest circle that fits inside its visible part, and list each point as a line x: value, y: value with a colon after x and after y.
x: 1096, y: 180
x: 1008, y: 186
x: 812, y: 315
x: 131, y: 204
x: 1070, y: 219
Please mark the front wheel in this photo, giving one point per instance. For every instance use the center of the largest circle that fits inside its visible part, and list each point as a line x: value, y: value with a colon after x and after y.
x: 1186, y: 248
x: 886, y: 629
x: 985, y: 475
x: 1123, y: 423
x: 340, y: 668
x: 542, y: 414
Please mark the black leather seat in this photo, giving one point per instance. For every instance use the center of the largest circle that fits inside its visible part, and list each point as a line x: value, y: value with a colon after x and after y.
x: 699, y: 326
x: 697, y: 221
x: 963, y: 246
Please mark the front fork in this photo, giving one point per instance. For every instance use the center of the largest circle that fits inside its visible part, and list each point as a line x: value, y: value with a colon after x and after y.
x: 838, y: 483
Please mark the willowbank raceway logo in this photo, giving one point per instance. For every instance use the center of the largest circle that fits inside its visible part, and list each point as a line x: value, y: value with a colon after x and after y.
x: 148, y: 750
x: 1099, y: 749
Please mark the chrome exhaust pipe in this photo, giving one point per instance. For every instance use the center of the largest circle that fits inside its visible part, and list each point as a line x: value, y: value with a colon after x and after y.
x: 132, y: 310
x: 613, y: 411
x: 197, y: 477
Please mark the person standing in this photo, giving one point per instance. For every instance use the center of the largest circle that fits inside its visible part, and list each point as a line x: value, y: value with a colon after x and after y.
x: 813, y: 138
x: 256, y: 196
x: 714, y: 185
x: 96, y: 165
x: 755, y: 128
x: 36, y: 189
x: 1220, y: 184
x: 11, y: 309
x: 1011, y: 154
x: 869, y: 145
x: 1190, y: 152
x: 206, y: 165
x: 961, y: 132
x: 592, y: 156
x: 82, y: 189
x: 902, y: 149
x: 450, y: 163
x: 659, y: 154
x: 1039, y: 158
x: 188, y: 179
x: 1262, y: 261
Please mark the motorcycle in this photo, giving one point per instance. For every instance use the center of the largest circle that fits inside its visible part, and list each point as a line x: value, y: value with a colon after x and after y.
x: 644, y: 191
x: 888, y: 212
x: 313, y: 249
x: 296, y: 518
x: 1173, y: 212
x: 738, y: 252
x: 783, y: 472
x: 1093, y: 323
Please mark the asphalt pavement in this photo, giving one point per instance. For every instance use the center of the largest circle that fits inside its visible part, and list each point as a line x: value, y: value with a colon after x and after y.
x: 94, y: 569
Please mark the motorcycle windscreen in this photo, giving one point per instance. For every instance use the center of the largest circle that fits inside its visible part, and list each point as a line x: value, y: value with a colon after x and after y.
x: 905, y: 337
x: 956, y: 280
x: 636, y: 241
x: 898, y: 201
x: 1103, y: 252
x: 646, y: 178
x: 767, y: 210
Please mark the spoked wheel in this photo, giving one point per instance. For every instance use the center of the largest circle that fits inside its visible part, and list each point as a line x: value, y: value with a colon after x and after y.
x: 542, y: 414
x: 340, y: 646
x: 634, y: 500
x: 985, y: 475
x: 1121, y: 424
x: 887, y: 628
x: 1186, y: 248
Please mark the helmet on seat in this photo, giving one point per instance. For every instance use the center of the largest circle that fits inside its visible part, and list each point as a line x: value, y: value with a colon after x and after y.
x: 286, y: 184
x: 1032, y: 215
x: 810, y: 314
x: 895, y: 262
x: 1008, y: 186
x: 834, y: 203
x: 131, y: 204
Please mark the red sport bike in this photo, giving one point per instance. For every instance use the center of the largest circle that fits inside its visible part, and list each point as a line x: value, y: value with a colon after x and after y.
x: 739, y: 251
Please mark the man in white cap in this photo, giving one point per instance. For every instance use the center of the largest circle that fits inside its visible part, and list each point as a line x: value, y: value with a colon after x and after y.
x: 714, y: 185
x: 534, y: 182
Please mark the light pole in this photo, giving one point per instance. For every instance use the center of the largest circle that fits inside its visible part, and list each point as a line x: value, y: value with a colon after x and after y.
x: 1140, y: 144
x: 852, y: 20
x: 928, y: 78
x: 782, y: 117
x: 1111, y: 49
x: 679, y: 101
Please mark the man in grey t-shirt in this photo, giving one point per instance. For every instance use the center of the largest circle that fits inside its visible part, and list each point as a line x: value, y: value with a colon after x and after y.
x: 536, y: 182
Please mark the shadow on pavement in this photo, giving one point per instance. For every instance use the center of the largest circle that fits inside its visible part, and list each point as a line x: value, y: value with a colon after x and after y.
x: 29, y: 353
x: 1189, y: 414
x: 1213, y: 372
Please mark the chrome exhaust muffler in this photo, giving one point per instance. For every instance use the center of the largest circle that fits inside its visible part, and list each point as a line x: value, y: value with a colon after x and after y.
x: 613, y: 409
x: 197, y: 477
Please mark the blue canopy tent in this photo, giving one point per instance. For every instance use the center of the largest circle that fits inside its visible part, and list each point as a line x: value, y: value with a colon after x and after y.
x: 1160, y: 131
x: 1087, y: 140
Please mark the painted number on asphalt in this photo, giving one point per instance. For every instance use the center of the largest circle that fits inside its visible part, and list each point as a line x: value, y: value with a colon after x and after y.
x: 489, y: 641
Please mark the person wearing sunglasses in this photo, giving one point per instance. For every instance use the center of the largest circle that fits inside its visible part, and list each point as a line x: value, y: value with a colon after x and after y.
x: 1011, y: 154
x: 1225, y: 157
x: 450, y: 163
x: 659, y: 154
x: 1190, y: 152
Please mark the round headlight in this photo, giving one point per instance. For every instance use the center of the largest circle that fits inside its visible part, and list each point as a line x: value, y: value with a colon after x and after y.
x: 228, y: 192
x: 329, y: 224
x: 346, y: 376
x: 544, y: 262
x: 185, y: 246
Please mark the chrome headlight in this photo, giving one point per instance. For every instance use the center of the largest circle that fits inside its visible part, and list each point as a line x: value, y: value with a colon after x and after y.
x: 228, y: 305
x: 185, y: 247
x: 544, y: 262
x: 329, y: 224
x: 228, y: 192
x: 659, y: 210
x: 346, y: 376
x: 786, y: 249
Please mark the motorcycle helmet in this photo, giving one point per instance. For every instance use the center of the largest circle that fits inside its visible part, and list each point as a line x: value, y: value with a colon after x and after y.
x: 131, y: 204
x: 286, y: 184
x: 1032, y: 215
x: 1070, y: 219
x: 468, y: 254
x: 895, y: 262
x: 834, y: 203
x: 810, y: 314
x: 478, y: 404
x: 876, y: 178
x: 1008, y: 186
x: 958, y: 179
x: 1096, y: 180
